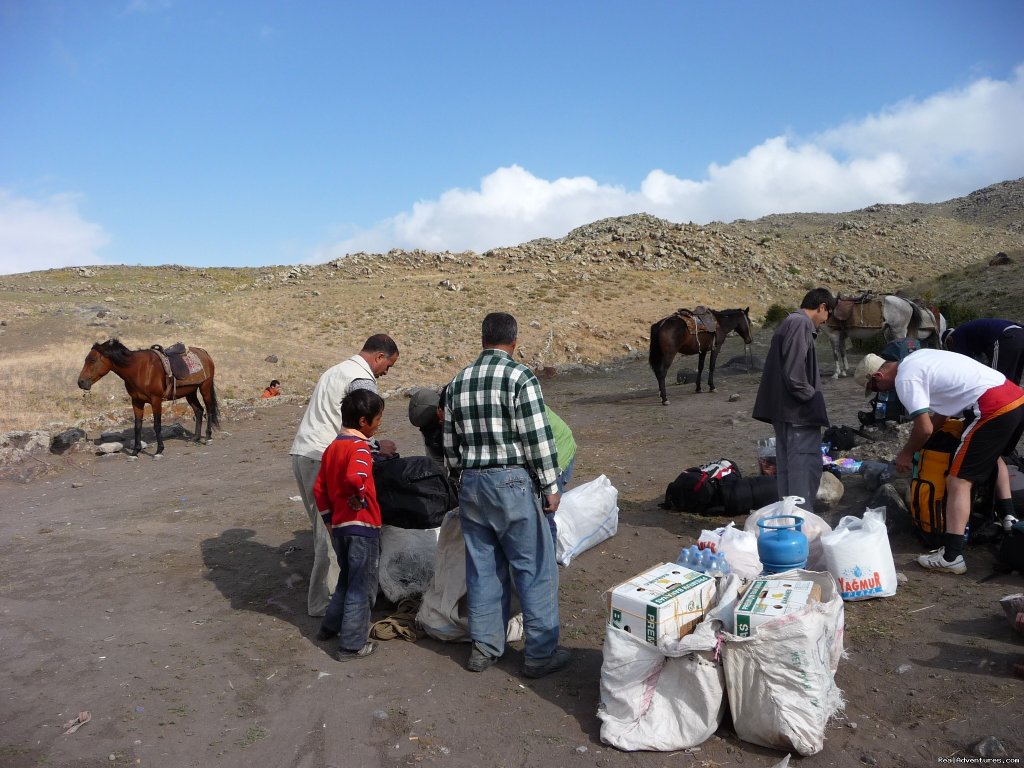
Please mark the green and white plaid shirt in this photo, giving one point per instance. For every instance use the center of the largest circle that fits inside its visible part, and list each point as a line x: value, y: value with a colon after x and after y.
x: 494, y: 416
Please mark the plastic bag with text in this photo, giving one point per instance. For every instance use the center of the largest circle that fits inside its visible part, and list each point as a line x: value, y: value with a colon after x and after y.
x: 858, y: 555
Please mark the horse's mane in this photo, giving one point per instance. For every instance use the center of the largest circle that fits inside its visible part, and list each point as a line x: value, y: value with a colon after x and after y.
x: 117, y: 352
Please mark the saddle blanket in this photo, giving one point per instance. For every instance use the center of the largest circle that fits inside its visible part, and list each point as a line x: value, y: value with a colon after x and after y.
x: 183, y: 368
x: 187, y: 365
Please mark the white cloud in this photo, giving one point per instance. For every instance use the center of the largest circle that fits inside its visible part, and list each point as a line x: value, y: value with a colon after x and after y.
x: 46, y: 234
x: 917, y: 151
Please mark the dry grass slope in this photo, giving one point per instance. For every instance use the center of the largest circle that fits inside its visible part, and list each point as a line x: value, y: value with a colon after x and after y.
x: 586, y: 299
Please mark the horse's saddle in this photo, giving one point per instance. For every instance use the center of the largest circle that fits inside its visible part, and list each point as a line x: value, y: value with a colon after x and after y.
x: 861, y: 311
x: 700, y: 318
x: 181, y: 364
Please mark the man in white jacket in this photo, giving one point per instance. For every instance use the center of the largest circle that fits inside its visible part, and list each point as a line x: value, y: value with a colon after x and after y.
x: 319, y: 426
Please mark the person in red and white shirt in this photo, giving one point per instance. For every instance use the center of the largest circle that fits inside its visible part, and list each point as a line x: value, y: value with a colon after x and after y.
x: 346, y: 498
x: 934, y: 385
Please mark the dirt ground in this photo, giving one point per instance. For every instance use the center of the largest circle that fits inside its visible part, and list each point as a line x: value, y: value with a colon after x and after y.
x: 167, y: 597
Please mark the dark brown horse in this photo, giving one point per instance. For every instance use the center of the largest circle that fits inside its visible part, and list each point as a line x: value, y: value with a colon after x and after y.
x: 672, y: 335
x: 146, y: 382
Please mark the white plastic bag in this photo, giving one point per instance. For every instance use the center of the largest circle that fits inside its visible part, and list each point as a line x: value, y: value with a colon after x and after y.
x: 587, y: 515
x: 812, y: 528
x: 740, y: 550
x: 858, y: 555
x: 667, y: 699
x: 406, y: 561
x: 780, y: 681
x: 442, y: 612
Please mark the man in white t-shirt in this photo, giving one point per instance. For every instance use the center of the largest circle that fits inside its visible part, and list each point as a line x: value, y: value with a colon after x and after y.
x: 319, y: 426
x: 933, y: 385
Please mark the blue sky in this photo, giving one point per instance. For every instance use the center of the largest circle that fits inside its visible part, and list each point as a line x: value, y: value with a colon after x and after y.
x: 252, y: 133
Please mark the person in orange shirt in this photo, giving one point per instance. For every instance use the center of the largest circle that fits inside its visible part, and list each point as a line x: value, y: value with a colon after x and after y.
x: 273, y: 390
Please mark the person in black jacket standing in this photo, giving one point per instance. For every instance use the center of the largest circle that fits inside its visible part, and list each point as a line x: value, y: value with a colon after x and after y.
x: 790, y: 397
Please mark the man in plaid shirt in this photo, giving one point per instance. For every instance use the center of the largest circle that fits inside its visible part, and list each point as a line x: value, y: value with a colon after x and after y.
x: 497, y: 437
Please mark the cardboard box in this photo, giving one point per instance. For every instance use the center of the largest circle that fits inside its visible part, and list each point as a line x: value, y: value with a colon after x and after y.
x: 768, y: 599
x: 663, y: 603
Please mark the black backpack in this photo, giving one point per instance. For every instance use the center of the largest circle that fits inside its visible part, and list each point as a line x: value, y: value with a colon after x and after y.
x: 413, y: 492
x: 717, y: 488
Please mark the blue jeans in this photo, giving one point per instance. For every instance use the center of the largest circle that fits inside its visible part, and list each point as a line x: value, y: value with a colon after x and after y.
x: 348, y: 613
x: 507, y: 541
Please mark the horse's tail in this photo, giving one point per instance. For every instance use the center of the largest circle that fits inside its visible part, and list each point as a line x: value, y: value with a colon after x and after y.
x: 655, y: 356
x: 212, y: 406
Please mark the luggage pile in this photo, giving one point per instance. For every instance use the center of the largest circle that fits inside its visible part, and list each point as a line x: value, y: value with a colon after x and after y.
x: 681, y: 646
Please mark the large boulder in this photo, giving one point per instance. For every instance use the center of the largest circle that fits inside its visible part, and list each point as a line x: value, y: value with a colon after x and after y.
x: 830, y: 491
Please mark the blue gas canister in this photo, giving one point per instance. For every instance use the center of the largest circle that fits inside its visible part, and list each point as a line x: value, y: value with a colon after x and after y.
x: 782, y: 544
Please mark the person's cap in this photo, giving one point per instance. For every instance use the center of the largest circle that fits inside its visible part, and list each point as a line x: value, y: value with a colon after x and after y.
x: 866, y: 367
x: 945, y: 335
x: 423, y: 408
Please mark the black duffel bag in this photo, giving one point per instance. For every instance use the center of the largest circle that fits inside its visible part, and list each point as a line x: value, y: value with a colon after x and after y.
x: 413, y: 492
x: 742, y: 495
x: 718, y: 489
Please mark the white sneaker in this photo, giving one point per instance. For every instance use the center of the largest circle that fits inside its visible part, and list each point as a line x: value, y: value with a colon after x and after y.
x: 935, y: 561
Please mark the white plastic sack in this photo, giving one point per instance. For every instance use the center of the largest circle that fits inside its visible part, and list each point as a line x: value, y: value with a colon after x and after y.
x: 587, y: 515
x: 740, y: 550
x: 780, y: 681
x: 667, y: 699
x: 442, y: 613
x: 858, y: 555
x: 406, y: 561
x: 813, y: 527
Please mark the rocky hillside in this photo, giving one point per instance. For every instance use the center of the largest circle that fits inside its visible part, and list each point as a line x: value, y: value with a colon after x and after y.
x: 585, y: 299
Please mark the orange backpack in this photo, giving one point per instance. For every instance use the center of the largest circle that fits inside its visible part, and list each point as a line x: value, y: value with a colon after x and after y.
x: 926, y: 498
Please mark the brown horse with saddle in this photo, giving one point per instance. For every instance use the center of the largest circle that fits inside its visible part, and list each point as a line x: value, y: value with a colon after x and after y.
x: 153, y: 375
x: 695, y: 331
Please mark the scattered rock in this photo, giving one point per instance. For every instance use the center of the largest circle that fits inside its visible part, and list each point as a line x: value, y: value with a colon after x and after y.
x: 270, y: 359
x: 999, y: 259
x: 108, y: 448
x: 989, y: 746
x: 734, y: 397
x: 66, y: 439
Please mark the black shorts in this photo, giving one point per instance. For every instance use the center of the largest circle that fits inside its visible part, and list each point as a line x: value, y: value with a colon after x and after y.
x: 995, y: 433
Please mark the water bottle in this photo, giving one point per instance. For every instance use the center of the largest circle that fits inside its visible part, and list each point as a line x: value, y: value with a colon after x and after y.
x: 684, y: 557
x: 881, y: 406
x: 707, y: 558
x: 723, y: 564
x: 719, y: 566
x: 695, y: 556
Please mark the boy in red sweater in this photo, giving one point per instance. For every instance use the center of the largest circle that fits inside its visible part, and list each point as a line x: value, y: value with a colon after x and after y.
x: 347, y: 500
